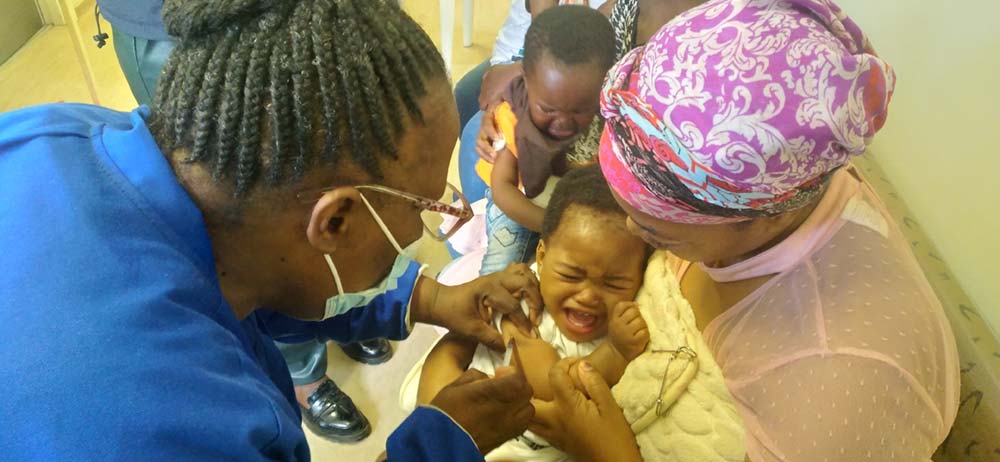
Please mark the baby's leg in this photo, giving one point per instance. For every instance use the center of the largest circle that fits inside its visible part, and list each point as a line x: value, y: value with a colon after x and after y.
x: 508, y: 242
x: 537, y: 358
x: 446, y: 363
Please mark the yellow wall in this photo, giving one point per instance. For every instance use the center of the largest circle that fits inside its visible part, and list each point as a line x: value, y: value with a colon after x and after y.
x: 941, y: 146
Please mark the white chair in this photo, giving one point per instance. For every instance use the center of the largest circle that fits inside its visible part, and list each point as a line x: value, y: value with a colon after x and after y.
x: 447, y: 9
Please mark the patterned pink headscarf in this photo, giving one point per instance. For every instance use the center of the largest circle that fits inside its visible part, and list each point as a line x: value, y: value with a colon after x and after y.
x: 739, y: 109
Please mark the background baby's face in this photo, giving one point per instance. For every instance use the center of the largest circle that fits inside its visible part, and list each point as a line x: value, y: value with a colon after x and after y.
x: 563, y: 99
x: 585, y: 268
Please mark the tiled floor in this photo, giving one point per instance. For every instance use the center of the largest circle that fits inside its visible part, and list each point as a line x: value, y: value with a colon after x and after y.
x: 47, y: 70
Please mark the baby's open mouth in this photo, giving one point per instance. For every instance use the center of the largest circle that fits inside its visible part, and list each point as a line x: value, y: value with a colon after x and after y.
x: 581, y: 322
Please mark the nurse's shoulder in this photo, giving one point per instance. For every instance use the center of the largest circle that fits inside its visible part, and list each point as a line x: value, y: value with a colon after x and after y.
x: 55, y: 120
x: 116, y: 340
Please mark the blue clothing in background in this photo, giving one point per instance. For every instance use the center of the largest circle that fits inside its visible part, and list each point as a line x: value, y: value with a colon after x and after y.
x: 467, y: 93
x: 138, y: 18
x: 107, y: 260
x: 473, y: 187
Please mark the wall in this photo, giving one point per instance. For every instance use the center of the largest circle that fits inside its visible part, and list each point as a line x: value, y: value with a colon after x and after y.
x: 18, y: 23
x: 50, y: 11
x: 937, y: 147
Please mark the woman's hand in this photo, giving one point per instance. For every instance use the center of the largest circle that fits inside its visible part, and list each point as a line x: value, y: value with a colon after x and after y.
x: 496, y: 79
x: 584, y: 420
x: 488, y: 133
x: 467, y: 310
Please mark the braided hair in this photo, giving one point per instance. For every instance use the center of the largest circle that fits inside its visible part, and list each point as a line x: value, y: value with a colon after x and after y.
x: 269, y: 88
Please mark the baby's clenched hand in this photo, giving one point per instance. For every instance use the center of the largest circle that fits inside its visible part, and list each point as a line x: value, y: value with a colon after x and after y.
x: 627, y: 330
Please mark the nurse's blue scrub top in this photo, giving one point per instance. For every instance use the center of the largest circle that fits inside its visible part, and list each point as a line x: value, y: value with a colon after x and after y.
x: 116, y: 343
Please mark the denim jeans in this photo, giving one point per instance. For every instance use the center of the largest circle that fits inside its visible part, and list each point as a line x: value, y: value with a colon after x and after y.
x: 473, y: 187
x: 508, y: 241
x: 141, y: 61
x: 306, y: 360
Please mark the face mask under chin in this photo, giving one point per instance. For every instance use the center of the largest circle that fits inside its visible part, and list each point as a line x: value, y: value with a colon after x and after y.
x: 405, y: 258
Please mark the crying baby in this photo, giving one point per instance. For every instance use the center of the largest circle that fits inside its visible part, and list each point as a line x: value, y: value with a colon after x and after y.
x: 590, y: 268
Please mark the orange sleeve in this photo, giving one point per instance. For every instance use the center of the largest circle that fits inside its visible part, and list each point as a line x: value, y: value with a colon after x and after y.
x: 506, y: 121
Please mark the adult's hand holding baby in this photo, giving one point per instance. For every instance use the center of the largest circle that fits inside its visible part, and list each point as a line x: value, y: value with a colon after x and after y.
x: 584, y: 420
x: 488, y: 134
x: 496, y: 79
x: 491, y: 410
x: 467, y: 309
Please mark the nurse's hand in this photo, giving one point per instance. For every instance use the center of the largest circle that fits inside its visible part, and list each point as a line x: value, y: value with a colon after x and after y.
x: 584, y: 420
x: 491, y: 410
x: 468, y: 309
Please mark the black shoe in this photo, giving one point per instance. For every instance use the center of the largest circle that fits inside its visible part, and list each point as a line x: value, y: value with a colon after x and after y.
x: 332, y: 415
x: 375, y: 351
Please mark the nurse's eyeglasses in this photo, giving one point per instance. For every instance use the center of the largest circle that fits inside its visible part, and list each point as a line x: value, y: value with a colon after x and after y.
x: 441, y: 220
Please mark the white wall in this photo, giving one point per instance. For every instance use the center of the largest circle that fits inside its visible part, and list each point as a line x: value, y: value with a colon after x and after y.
x: 940, y: 146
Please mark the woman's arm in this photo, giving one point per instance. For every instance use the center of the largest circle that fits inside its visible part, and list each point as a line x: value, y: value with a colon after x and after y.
x: 496, y: 79
x: 508, y: 197
x: 445, y: 363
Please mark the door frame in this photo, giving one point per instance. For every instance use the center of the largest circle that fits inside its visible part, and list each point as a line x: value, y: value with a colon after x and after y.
x: 50, y: 12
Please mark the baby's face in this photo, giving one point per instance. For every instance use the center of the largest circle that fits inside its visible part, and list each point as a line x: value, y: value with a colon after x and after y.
x: 562, y: 99
x: 585, y: 268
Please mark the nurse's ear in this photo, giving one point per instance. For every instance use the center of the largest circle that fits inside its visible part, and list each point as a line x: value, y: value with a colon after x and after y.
x: 330, y: 222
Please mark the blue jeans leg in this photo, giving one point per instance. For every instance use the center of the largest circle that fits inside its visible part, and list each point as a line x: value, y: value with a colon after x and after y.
x: 508, y: 241
x: 141, y: 60
x: 473, y: 187
x: 467, y: 93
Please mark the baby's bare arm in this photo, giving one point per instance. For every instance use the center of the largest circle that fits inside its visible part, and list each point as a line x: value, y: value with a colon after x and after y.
x: 506, y: 194
x: 446, y: 363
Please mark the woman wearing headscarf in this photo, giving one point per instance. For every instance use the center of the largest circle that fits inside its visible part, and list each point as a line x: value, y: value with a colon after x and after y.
x: 728, y: 141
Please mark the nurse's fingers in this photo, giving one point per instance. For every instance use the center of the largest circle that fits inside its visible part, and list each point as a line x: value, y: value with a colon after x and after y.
x: 502, y: 301
x: 469, y: 376
x: 519, y: 279
x: 510, y: 387
x: 546, y: 418
x: 488, y: 336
